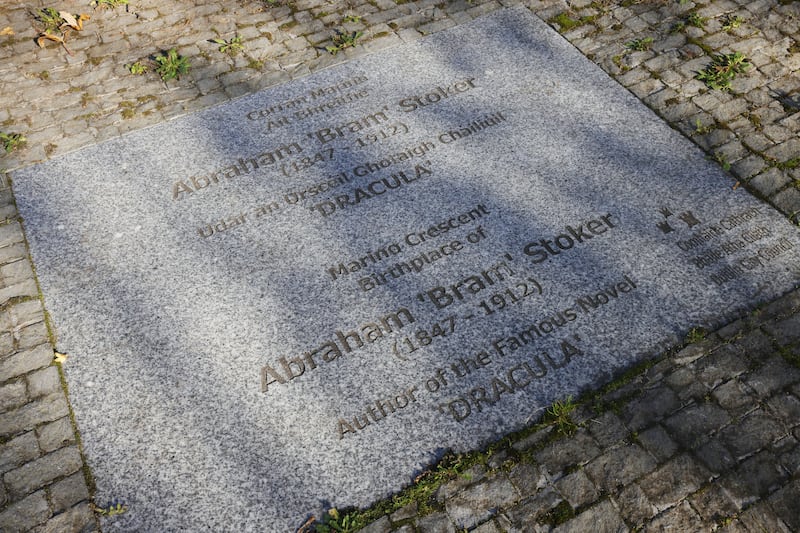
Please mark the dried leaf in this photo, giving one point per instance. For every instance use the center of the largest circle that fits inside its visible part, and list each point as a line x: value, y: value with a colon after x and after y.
x: 60, y: 358
x: 7, y: 31
x: 49, y: 36
x: 72, y: 22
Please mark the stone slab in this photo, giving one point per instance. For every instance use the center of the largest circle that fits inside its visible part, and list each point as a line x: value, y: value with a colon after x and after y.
x: 301, y: 298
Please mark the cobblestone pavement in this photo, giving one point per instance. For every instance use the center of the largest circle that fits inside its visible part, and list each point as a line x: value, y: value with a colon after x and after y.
x: 705, y: 439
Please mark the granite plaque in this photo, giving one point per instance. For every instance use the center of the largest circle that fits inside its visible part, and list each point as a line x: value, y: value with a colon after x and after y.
x: 301, y: 298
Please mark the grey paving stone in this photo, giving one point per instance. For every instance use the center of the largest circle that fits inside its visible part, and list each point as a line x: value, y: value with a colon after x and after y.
x: 786, y: 331
x: 722, y: 364
x: 761, y: 517
x: 527, y: 478
x: 78, y: 519
x: 404, y: 513
x: 715, y: 456
x: 755, y: 478
x: 577, y: 449
x: 525, y: 515
x: 635, y: 508
x: 769, y: 181
x: 434, y: 523
x: 602, y: 517
x: 674, y: 481
x: 471, y: 476
x: 12, y: 394
x: 753, y: 433
x: 382, y: 525
x: 68, y: 492
x: 649, y: 408
x: 25, y: 514
x: 735, y: 397
x: 25, y: 361
x: 786, y: 407
x: 10, y: 234
x: 619, y: 466
x: 693, y: 425
x: 39, y: 472
x: 32, y: 335
x: 773, y: 376
x: 577, y: 489
x: 713, y: 504
x: 478, y: 503
x: 18, y: 451
x: 607, y: 429
x: 44, y: 381
x: 19, y: 290
x: 784, y: 503
x: 680, y: 518
x: 658, y: 442
x: 55, y: 434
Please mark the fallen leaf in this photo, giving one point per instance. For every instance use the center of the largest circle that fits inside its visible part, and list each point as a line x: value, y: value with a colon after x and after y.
x: 60, y: 358
x: 50, y: 37
x: 72, y: 22
x: 7, y: 31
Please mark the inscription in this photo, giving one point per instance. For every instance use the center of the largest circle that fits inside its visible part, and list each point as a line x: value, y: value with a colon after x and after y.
x: 372, y: 190
x: 436, y: 95
x: 289, y: 369
x: 545, y: 248
x: 412, y: 239
x: 243, y: 166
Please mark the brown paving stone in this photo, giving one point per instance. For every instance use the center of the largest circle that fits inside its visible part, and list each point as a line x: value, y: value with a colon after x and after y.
x: 674, y: 481
x: 619, y: 466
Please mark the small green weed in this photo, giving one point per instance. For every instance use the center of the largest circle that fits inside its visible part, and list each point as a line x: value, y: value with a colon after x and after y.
x: 559, y: 415
x: 565, y: 22
x: 50, y: 18
x: 699, y: 129
x: 11, y: 141
x: 731, y: 22
x: 694, y: 19
x: 255, y: 64
x: 137, y: 68
x: 232, y: 47
x: 678, y: 27
x: 112, y: 508
x: 108, y: 4
x: 789, y: 164
x: 171, y: 65
x: 720, y: 158
x: 723, y: 70
x: 342, y: 40
x: 336, y: 522
x: 640, y: 45
x: 696, y: 335
x: 351, y: 18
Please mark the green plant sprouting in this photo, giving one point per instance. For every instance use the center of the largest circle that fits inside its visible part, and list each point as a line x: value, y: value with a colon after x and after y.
x: 108, y: 4
x: 137, y: 68
x: 171, y: 65
x: 231, y: 47
x: 696, y: 335
x: 731, y: 22
x: 342, y: 40
x: 559, y: 415
x: 112, y: 508
x: 640, y: 45
x: 723, y: 70
x: 11, y: 141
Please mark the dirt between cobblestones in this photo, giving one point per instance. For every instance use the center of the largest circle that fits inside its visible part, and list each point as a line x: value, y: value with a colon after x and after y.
x: 707, y: 438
